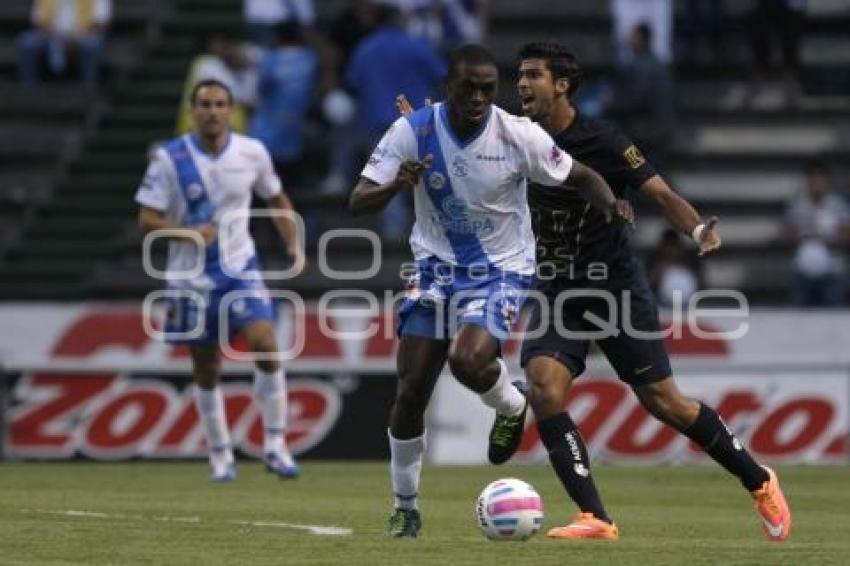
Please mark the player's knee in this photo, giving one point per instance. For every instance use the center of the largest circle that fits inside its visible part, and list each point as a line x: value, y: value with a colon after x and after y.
x: 206, y: 374
x: 548, y: 384
x: 545, y: 397
x: 268, y: 366
x: 668, y: 405
x: 265, y: 348
x: 264, y: 345
x: 469, y: 365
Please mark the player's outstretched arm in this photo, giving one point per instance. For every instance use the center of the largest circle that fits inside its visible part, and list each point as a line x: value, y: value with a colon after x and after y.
x: 596, y: 190
x: 681, y: 215
x: 369, y: 197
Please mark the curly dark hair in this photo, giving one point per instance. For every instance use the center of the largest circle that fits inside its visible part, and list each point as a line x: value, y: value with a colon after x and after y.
x: 560, y: 61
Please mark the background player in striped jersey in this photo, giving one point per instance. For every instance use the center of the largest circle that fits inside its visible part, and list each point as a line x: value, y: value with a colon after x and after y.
x: 202, y: 184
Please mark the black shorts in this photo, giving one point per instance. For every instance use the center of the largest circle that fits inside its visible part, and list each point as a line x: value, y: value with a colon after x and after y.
x: 565, y: 334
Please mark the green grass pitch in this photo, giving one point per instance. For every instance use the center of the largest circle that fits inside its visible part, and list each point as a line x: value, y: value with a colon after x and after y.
x: 168, y: 513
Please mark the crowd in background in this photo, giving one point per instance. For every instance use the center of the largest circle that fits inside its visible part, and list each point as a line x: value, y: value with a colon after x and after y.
x: 320, y: 96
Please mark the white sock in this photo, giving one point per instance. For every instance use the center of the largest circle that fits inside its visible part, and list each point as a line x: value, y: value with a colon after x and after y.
x: 270, y: 393
x: 405, y: 469
x: 504, y: 396
x: 210, y: 405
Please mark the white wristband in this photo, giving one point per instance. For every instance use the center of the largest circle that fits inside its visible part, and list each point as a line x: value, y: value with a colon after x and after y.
x: 697, y: 233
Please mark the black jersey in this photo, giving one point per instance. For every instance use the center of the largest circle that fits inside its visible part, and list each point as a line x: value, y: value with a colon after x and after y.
x: 575, y: 245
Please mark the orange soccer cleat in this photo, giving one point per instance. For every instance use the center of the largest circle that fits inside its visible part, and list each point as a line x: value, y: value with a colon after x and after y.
x: 771, y: 505
x: 585, y: 525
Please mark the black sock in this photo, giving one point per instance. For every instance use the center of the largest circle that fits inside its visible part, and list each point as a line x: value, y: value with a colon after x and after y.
x: 568, y: 455
x: 718, y: 442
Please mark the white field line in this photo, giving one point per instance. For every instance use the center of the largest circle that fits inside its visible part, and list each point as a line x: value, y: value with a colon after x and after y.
x: 319, y: 530
x: 312, y: 529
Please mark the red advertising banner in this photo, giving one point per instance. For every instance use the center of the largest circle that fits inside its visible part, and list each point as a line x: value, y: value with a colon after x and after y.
x: 119, y: 416
x: 788, y: 416
x: 86, y: 380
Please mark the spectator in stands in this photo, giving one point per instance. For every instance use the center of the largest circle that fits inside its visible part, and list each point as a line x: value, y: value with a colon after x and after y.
x: 673, y: 270
x: 446, y: 24
x: 657, y: 15
x: 780, y: 22
x: 61, y: 27
x: 227, y: 60
x: 347, y: 29
x: 261, y: 17
x: 644, y: 98
x: 704, y: 21
x: 818, y: 224
x: 388, y: 62
x: 286, y: 85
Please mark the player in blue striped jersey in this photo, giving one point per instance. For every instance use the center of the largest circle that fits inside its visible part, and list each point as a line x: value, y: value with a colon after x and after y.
x: 202, y: 183
x: 467, y: 163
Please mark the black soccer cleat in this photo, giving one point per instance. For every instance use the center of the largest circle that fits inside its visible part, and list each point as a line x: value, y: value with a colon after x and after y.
x: 404, y: 523
x: 506, y: 433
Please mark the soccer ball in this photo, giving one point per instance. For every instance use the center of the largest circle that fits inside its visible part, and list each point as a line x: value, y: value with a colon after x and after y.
x: 509, y: 509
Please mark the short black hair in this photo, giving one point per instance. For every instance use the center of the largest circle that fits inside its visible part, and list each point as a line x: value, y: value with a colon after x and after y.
x: 210, y: 82
x: 645, y: 32
x: 560, y: 61
x: 289, y: 32
x: 471, y: 54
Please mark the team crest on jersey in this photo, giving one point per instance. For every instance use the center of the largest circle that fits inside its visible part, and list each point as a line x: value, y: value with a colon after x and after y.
x: 194, y: 191
x: 556, y: 155
x: 634, y: 157
x: 436, y: 180
x: 460, y: 168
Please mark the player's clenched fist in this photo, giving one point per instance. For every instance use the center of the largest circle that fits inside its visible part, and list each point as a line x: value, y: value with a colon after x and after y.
x: 708, y: 239
x: 623, y: 212
x: 410, y: 171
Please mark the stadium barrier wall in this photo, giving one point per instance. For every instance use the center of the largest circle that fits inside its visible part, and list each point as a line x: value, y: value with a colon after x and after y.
x: 84, y: 380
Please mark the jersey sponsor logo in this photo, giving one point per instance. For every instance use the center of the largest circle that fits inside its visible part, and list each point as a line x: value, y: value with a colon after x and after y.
x: 479, y: 226
x: 436, y: 180
x: 455, y: 208
x: 455, y: 218
x: 494, y: 158
x: 634, y: 157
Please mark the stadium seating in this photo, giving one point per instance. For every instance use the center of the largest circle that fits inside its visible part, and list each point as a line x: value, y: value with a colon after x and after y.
x: 81, y: 239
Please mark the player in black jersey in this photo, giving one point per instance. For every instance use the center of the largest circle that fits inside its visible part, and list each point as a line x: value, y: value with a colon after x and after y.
x: 579, y: 251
